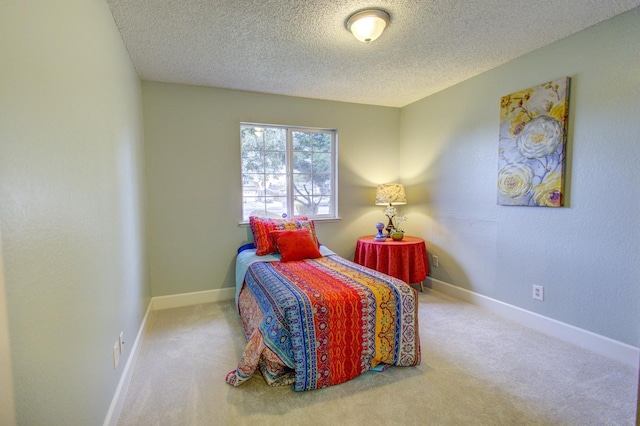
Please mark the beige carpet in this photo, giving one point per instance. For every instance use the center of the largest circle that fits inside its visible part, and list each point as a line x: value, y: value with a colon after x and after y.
x: 477, y: 369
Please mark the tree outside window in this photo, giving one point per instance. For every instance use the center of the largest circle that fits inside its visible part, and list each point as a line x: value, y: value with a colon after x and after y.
x: 287, y: 170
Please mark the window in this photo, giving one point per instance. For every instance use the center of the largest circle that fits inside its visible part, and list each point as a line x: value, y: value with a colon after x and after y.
x: 288, y: 170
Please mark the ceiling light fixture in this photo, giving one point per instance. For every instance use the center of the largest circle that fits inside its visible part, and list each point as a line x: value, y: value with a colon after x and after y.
x: 367, y: 25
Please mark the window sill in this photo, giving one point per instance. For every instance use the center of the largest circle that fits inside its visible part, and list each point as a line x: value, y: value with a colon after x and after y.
x: 321, y: 219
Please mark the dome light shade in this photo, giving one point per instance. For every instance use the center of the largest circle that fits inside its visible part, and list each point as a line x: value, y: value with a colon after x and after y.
x: 368, y: 25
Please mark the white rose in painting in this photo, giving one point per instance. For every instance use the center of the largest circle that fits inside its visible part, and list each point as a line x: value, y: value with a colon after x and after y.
x: 514, y: 180
x: 540, y: 137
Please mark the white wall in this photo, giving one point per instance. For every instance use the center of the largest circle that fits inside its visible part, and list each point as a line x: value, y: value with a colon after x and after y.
x: 192, y: 151
x: 71, y: 205
x: 586, y: 254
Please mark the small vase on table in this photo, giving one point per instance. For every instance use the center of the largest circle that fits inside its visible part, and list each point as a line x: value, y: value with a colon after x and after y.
x: 397, y: 235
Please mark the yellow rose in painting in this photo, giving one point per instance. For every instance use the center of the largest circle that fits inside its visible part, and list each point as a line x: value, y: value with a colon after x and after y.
x: 518, y: 123
x: 540, y: 137
x: 549, y: 192
x: 558, y: 111
x: 514, y: 180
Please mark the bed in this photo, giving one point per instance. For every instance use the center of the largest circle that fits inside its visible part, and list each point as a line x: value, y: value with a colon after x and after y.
x: 316, y: 319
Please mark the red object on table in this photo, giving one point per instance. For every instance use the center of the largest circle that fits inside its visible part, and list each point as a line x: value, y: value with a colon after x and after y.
x: 405, y: 259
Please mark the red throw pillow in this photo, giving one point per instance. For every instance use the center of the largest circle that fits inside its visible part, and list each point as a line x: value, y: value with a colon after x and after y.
x: 262, y: 226
x: 295, y: 245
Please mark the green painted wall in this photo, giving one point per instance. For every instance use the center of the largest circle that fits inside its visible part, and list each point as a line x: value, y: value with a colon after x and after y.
x: 72, y: 193
x: 71, y: 207
x: 586, y: 254
x: 444, y: 149
x: 192, y: 151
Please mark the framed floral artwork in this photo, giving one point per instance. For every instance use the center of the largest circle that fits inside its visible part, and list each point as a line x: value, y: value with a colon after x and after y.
x: 532, y: 145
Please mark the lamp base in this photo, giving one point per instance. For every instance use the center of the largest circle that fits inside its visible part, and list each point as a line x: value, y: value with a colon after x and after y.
x: 389, y: 227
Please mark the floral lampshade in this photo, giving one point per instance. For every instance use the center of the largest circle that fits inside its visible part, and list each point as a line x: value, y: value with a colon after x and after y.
x: 390, y: 194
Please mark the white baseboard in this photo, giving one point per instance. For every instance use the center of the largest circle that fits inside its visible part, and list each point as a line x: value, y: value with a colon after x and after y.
x: 610, y: 348
x: 157, y: 303
x: 127, y: 374
x: 602, y: 345
x: 195, y: 298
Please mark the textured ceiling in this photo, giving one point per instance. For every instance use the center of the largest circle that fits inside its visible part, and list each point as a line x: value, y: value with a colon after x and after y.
x: 302, y: 48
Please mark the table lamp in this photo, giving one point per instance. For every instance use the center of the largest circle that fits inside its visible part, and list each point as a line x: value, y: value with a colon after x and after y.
x: 390, y: 194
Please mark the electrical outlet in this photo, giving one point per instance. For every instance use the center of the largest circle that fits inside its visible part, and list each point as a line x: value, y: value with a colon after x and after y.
x: 435, y: 261
x: 538, y: 292
x: 121, y: 342
x: 116, y: 354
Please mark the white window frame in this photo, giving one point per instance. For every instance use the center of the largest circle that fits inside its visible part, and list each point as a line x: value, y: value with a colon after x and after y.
x: 290, y: 130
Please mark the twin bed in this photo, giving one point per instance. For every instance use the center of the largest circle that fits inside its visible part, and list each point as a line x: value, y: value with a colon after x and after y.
x: 314, y: 319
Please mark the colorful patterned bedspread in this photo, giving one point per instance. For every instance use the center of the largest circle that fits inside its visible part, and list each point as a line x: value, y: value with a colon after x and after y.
x: 321, y: 322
